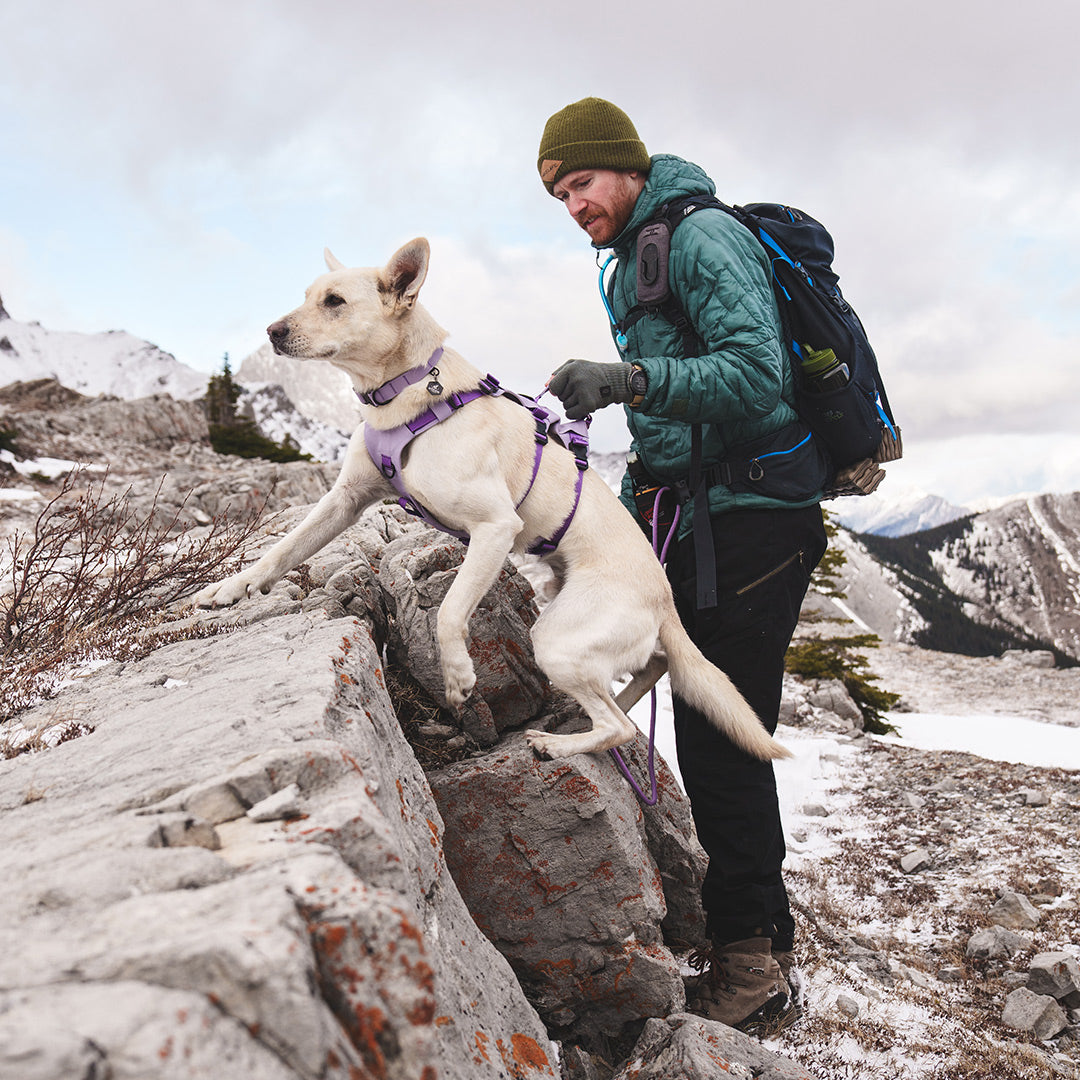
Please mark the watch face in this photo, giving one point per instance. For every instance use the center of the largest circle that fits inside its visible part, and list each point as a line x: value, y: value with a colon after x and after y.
x: 639, y: 382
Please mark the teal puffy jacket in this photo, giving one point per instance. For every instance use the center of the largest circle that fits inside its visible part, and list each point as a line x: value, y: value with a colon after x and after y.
x: 740, y: 389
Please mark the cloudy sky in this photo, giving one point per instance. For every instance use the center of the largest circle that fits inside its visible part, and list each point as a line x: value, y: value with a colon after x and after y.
x: 175, y: 170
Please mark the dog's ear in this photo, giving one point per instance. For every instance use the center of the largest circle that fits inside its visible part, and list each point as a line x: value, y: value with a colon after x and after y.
x: 332, y: 261
x: 401, y: 278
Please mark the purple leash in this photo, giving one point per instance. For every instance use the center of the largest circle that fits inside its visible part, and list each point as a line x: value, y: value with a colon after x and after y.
x: 661, y: 552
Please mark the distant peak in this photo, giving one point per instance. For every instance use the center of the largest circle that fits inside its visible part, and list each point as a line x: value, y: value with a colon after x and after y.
x: 3, y: 313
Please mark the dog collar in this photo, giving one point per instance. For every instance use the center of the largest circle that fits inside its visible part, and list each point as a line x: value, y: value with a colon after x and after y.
x: 386, y: 393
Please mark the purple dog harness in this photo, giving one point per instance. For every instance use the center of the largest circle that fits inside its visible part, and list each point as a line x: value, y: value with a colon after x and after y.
x: 387, y: 447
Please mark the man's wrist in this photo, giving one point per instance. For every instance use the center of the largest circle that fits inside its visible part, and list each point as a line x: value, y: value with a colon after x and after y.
x: 639, y: 385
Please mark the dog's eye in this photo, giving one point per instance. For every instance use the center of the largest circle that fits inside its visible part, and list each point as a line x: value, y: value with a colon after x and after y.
x: 333, y: 300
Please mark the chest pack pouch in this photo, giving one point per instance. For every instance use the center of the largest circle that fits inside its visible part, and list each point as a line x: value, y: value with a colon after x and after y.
x: 653, y: 249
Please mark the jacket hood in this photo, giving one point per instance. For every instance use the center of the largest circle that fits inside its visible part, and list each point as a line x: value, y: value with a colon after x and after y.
x: 670, y: 177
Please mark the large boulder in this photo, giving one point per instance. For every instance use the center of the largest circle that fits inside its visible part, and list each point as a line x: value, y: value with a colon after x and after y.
x: 552, y: 858
x: 688, y: 1046
x: 143, y: 908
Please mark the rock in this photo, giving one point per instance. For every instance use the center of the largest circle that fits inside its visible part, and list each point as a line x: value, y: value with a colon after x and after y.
x: 911, y: 801
x: 915, y: 861
x: 674, y: 847
x: 1056, y: 974
x: 832, y: 695
x: 996, y: 943
x: 1031, y: 797
x: 578, y: 1064
x: 683, y: 1045
x: 332, y: 945
x: 1039, y: 658
x: 553, y: 862
x: 182, y: 830
x: 1015, y: 912
x: 415, y: 573
x: 848, y: 1006
x: 282, y: 804
x: 1038, y: 1014
x: 946, y: 786
x: 70, y: 1030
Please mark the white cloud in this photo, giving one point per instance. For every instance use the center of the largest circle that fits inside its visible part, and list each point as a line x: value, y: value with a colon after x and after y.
x: 177, y: 170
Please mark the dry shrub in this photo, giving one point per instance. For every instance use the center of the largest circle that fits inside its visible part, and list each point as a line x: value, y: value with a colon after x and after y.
x: 93, y: 580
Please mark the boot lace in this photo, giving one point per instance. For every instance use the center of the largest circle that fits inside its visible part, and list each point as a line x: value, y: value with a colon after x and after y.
x: 711, y: 965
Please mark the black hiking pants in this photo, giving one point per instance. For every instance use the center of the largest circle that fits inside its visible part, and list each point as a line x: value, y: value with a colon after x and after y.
x: 764, y: 559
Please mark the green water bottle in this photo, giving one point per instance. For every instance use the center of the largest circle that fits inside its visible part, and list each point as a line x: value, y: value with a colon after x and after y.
x: 823, y: 370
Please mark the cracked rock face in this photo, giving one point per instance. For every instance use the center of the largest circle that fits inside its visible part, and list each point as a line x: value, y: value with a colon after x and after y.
x: 247, y: 831
x: 332, y: 942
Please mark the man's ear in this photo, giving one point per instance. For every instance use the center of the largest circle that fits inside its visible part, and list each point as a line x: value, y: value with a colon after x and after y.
x: 332, y: 262
x: 401, y: 278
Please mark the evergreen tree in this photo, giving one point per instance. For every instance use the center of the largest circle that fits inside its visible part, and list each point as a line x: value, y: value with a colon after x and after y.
x: 233, y: 434
x: 222, y: 394
x: 821, y: 657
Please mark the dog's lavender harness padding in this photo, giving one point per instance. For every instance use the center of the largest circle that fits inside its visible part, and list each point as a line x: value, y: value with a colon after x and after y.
x: 387, y: 447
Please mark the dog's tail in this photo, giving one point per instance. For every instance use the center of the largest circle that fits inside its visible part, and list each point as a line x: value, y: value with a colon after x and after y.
x: 706, y: 688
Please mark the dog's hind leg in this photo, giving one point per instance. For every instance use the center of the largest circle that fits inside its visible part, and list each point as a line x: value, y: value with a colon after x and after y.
x: 610, y: 727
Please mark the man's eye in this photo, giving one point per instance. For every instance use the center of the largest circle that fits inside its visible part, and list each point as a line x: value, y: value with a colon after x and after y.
x: 333, y: 300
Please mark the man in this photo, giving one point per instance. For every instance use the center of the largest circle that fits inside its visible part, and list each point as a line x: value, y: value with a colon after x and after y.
x: 706, y: 405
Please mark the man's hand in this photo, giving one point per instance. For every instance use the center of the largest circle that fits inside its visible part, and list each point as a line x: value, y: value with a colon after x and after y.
x: 584, y: 386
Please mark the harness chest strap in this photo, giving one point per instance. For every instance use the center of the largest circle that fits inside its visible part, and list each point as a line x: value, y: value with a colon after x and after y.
x: 386, y: 447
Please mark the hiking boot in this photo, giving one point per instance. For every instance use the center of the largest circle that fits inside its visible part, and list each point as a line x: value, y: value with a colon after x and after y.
x: 793, y: 976
x: 741, y: 985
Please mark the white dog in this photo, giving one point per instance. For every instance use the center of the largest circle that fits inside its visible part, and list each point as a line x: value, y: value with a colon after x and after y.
x: 614, y: 610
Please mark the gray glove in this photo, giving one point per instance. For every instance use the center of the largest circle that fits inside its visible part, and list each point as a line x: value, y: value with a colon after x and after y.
x: 583, y: 386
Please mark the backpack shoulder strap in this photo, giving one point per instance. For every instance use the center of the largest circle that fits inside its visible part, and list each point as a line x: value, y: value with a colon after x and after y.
x: 653, y: 247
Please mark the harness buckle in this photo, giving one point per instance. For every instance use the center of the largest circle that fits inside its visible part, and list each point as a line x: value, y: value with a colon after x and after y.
x: 579, y: 447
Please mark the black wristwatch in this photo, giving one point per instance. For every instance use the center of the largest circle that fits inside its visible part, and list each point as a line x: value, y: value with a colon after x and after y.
x: 639, y: 385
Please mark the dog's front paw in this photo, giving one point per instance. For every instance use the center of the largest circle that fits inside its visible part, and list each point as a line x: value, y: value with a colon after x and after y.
x: 222, y: 593
x: 459, y: 678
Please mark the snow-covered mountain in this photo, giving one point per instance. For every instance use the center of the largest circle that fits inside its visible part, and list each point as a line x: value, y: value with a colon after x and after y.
x: 113, y: 362
x: 887, y: 514
x: 317, y: 389
x: 277, y: 417
x: 320, y: 417
x: 1006, y: 578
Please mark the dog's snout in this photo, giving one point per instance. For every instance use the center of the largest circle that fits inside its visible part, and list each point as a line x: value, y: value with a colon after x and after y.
x: 278, y: 331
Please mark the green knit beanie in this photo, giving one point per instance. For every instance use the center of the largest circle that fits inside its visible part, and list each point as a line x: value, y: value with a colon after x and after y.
x: 590, y: 134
